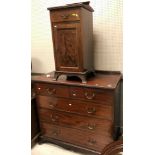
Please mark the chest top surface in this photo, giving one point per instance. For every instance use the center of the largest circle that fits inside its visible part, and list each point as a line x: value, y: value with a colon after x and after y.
x: 73, y: 5
x: 100, y: 80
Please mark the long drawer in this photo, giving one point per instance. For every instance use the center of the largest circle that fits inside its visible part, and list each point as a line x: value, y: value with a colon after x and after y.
x: 77, y: 137
x: 76, y: 106
x: 81, y: 93
x: 76, y: 121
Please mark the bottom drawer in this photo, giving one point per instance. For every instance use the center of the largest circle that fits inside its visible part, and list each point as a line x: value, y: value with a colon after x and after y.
x: 77, y: 137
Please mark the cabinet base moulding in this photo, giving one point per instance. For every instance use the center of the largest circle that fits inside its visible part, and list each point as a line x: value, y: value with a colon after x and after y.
x: 68, y: 146
x: 72, y: 75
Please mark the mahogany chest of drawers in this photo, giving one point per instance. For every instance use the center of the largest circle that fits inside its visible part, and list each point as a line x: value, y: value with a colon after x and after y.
x: 79, y: 116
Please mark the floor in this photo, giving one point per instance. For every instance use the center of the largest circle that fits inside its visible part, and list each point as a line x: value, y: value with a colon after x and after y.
x: 50, y: 149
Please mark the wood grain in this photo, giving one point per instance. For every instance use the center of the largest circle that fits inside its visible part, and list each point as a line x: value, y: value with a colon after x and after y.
x: 76, y: 106
x: 89, y: 140
x: 85, y: 117
x: 85, y: 123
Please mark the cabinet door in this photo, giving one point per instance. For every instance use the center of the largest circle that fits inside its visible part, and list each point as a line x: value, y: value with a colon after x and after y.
x: 67, y: 47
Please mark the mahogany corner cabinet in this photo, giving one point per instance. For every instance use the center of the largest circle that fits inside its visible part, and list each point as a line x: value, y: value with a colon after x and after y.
x: 72, y: 27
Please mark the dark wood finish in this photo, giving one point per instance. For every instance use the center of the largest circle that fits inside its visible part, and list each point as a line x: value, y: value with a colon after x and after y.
x: 68, y: 146
x: 83, y: 76
x: 76, y: 121
x: 118, y: 114
x: 77, y: 137
x: 82, y: 93
x: 74, y: 5
x: 72, y: 14
x: 82, y: 116
x: 72, y: 28
x: 76, y: 106
x: 102, y: 80
x: 92, y: 94
x: 121, y: 107
x: 35, y: 130
x: 114, y: 148
x: 52, y: 90
x: 67, y: 54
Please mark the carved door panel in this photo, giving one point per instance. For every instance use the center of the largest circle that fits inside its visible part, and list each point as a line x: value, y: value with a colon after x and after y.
x: 67, y: 47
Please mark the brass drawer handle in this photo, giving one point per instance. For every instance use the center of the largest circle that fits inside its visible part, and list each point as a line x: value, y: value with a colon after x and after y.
x: 38, y: 90
x: 51, y: 91
x: 75, y: 15
x: 89, y: 97
x: 74, y: 93
x: 91, y: 110
x: 65, y: 16
x: 91, y: 141
x: 54, y: 118
x: 52, y: 105
x: 91, y: 126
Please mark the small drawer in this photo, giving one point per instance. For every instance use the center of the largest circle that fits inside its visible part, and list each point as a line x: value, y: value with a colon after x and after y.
x: 76, y: 121
x: 77, y: 137
x: 65, y: 15
x: 95, y: 95
x: 76, y: 106
x: 52, y: 90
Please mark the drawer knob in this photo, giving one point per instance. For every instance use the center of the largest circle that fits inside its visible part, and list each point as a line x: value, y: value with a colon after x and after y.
x: 89, y: 97
x: 65, y: 16
x: 91, y: 110
x: 91, y: 141
x: 51, y: 91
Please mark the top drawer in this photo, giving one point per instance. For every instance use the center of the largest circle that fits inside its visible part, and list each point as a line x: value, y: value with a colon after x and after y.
x: 92, y: 94
x: 65, y: 15
x: 51, y: 90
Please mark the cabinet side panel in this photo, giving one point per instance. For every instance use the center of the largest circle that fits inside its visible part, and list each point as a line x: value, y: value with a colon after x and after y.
x: 118, y: 112
x: 87, y: 38
x: 52, y: 33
